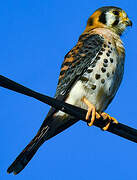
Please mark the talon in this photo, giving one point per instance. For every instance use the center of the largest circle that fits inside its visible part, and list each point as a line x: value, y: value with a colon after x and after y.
x: 107, y: 116
x: 98, y: 116
x: 106, y: 127
x: 91, y: 109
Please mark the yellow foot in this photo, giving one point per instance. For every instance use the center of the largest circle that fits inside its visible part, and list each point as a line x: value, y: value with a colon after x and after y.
x: 91, y: 112
x: 107, y: 116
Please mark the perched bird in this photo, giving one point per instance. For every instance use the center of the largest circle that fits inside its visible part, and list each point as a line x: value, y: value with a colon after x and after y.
x: 90, y: 77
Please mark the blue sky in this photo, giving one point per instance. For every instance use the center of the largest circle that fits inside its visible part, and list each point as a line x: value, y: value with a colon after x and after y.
x: 34, y: 37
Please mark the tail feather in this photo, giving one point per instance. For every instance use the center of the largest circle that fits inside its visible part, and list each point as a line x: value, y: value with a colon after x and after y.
x: 26, y: 155
x: 50, y: 127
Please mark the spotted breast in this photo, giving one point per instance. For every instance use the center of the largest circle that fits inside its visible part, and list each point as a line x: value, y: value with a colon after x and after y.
x: 101, y: 81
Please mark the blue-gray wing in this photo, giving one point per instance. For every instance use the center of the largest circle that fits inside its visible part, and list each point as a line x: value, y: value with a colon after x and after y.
x: 77, y: 61
x: 75, y: 64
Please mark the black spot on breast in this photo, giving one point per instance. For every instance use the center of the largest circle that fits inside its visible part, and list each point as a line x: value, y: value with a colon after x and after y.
x: 111, y: 60
x: 100, y: 53
x: 93, y: 87
x: 85, y: 79
x: 89, y: 70
x: 102, y: 49
x: 108, y: 74
x: 97, y: 58
x: 109, y: 42
x: 103, y: 69
x: 105, y: 65
x: 97, y: 76
x: 108, y: 54
x: 109, y: 51
x: 105, y: 61
x: 102, y: 81
x: 105, y: 45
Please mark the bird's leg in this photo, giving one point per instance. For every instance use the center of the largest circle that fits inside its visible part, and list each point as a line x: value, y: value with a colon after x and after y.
x: 91, y: 109
x: 107, y: 116
x: 95, y: 115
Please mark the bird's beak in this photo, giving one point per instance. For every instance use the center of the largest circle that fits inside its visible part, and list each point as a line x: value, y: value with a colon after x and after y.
x: 127, y: 21
x: 125, y: 18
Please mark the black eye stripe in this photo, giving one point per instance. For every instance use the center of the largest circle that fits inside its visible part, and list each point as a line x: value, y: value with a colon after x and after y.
x: 116, y: 22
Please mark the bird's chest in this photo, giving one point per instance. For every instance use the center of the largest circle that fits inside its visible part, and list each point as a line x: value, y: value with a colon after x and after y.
x: 103, y: 77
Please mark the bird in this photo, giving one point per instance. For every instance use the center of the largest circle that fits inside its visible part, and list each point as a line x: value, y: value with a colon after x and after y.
x: 90, y: 76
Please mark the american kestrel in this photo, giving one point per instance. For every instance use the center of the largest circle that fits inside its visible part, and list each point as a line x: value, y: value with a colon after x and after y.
x: 90, y: 77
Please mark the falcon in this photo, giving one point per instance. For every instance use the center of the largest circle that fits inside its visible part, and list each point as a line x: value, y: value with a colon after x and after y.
x: 90, y: 77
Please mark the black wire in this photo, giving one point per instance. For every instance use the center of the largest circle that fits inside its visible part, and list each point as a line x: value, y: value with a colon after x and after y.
x: 118, y: 129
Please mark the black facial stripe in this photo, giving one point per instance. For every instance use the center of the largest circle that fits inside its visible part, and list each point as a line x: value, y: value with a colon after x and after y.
x: 102, y: 18
x: 116, y: 22
x: 90, y: 21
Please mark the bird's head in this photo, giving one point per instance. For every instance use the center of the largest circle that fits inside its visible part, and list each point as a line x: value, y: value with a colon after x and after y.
x: 109, y: 17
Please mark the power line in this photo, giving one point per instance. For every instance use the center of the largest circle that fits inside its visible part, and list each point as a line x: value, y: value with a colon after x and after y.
x: 80, y: 114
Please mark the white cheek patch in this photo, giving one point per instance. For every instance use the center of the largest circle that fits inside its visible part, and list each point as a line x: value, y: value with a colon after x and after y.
x: 110, y: 18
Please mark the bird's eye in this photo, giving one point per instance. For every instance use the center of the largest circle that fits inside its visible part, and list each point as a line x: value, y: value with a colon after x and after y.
x: 116, y: 13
